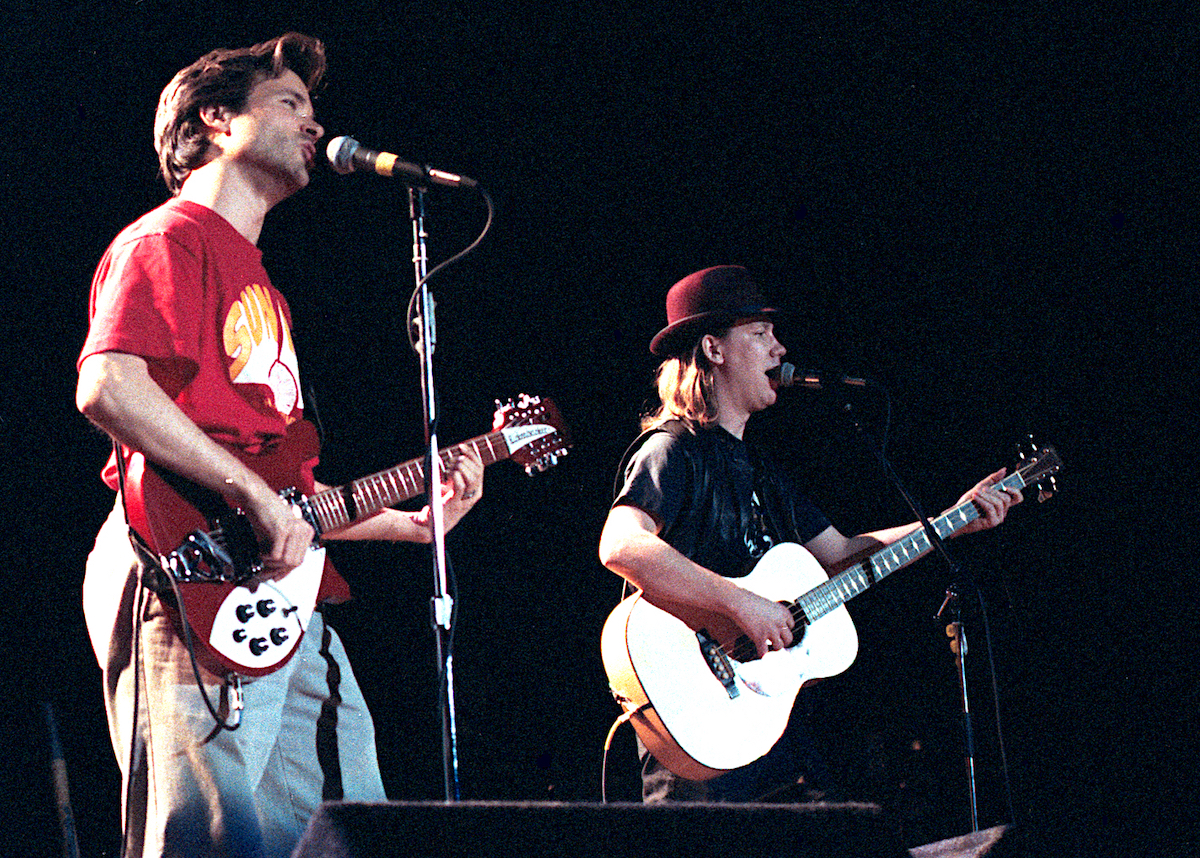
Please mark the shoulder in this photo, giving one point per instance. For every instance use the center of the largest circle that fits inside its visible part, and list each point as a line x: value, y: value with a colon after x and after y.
x: 180, y: 223
x: 671, y: 438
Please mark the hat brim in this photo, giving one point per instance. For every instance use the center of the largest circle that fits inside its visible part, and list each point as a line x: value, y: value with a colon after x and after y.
x: 682, y: 333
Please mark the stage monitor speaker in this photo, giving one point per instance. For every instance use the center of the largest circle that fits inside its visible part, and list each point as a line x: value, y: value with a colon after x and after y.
x: 998, y: 842
x: 614, y: 830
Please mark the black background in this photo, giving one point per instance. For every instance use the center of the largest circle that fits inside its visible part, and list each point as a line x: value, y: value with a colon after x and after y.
x: 987, y: 207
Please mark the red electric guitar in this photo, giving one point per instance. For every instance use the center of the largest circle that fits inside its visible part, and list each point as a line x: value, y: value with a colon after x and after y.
x: 253, y: 627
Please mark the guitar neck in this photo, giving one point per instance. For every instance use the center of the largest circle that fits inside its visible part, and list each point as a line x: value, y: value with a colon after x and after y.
x: 832, y: 594
x: 338, y: 507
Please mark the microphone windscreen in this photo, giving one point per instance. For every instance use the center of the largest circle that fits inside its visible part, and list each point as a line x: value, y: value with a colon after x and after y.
x: 340, y: 153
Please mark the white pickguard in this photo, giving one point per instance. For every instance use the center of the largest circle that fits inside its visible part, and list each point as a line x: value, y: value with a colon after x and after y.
x: 260, y: 627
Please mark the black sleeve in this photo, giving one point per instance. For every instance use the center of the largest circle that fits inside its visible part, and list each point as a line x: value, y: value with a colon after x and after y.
x: 657, y: 478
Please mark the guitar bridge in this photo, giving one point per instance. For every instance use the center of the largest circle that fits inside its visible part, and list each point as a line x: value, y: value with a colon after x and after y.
x: 717, y: 662
x: 227, y: 554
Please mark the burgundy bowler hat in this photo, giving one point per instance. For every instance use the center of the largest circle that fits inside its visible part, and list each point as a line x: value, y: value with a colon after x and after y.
x: 710, y: 298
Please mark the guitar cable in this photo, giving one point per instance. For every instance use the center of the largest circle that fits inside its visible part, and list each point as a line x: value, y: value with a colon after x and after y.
x: 612, y: 731
x: 625, y: 715
x: 138, y: 678
x: 991, y: 660
x: 147, y: 560
x: 233, y: 682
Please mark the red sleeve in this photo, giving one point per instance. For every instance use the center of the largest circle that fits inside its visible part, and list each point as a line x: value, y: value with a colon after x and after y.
x: 147, y: 300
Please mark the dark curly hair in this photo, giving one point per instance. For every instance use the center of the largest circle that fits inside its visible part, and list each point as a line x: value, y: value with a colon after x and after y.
x: 223, y: 78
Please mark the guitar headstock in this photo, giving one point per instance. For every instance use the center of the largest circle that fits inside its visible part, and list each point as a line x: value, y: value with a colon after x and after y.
x: 534, y: 431
x: 1038, y: 468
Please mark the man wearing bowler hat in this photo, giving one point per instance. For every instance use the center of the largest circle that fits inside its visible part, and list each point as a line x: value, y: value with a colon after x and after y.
x: 697, y: 503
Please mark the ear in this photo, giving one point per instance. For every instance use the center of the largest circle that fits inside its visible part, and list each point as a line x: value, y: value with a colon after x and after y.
x: 216, y: 118
x: 710, y: 345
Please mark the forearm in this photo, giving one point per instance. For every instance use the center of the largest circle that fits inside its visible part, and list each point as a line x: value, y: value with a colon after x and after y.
x: 631, y: 547
x: 837, y: 552
x: 393, y: 525
x: 389, y: 525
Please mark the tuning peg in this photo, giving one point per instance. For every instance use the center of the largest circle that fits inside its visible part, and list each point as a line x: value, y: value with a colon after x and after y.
x: 1029, y: 451
x: 542, y: 464
x: 1047, y: 487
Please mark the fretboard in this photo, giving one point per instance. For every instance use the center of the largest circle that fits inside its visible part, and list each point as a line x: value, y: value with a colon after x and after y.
x: 338, y: 507
x: 832, y: 594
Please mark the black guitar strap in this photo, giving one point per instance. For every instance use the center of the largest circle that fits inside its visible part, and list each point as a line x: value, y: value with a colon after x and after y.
x: 153, y: 565
x: 157, y: 578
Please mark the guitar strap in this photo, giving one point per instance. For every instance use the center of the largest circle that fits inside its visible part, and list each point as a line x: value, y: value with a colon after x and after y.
x: 157, y: 578
x: 154, y: 574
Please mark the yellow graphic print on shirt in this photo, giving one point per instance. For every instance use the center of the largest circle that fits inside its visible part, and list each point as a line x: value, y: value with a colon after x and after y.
x: 259, y: 346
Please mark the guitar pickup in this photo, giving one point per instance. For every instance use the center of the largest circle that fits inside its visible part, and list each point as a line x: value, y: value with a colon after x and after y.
x: 718, y: 662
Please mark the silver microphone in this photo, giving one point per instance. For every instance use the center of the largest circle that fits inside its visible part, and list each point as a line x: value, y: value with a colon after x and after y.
x: 786, y: 375
x: 347, y: 155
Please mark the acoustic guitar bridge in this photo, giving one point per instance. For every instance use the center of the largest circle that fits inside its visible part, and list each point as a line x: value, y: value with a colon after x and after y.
x: 718, y: 662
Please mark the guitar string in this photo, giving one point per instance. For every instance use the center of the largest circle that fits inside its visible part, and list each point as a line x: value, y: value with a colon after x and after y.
x: 822, y: 599
x: 330, y: 505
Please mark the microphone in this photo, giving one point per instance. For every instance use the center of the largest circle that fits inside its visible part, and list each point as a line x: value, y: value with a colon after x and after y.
x: 787, y: 376
x: 346, y: 155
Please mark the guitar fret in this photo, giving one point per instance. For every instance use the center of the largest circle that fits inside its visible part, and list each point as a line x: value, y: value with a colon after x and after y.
x: 375, y: 494
x: 362, y: 494
x: 338, y: 507
x: 412, y: 476
x: 399, y: 483
x: 498, y: 445
x: 402, y: 486
x: 385, y: 490
x: 329, y: 510
x: 323, y: 510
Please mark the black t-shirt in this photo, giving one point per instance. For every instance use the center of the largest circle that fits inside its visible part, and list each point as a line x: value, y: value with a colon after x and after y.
x: 717, y: 499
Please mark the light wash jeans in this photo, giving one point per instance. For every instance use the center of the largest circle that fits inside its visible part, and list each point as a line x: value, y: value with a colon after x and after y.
x: 196, y: 790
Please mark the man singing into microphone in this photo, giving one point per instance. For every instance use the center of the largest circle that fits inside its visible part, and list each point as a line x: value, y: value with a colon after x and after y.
x: 189, y: 365
x: 697, y: 502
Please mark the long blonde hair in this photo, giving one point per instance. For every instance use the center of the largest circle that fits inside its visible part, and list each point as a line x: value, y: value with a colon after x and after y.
x: 685, y: 391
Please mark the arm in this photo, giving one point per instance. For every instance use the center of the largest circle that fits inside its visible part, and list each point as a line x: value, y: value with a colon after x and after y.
x: 631, y: 547
x: 116, y: 392
x: 461, y: 490
x: 836, y: 552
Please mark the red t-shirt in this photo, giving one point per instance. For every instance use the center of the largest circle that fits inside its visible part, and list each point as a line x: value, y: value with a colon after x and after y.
x: 183, y: 289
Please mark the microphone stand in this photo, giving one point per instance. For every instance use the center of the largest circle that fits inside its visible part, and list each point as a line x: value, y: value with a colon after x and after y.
x: 441, y: 604
x: 958, y: 646
x: 955, y: 630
